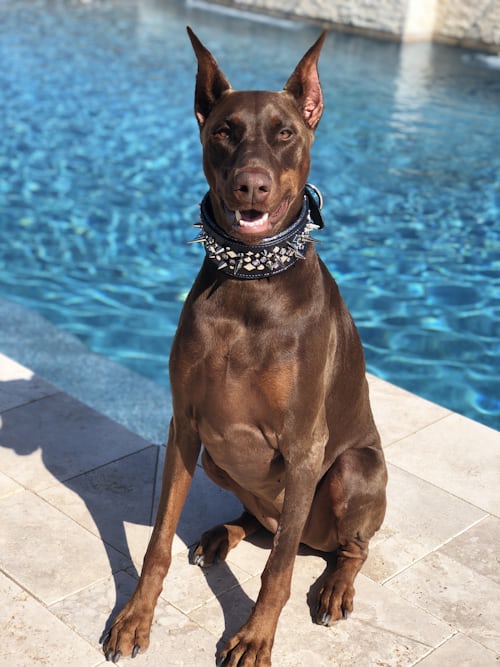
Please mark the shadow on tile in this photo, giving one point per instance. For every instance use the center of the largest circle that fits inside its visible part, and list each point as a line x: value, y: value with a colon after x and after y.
x: 104, y: 478
x: 235, y: 612
x: 65, y: 452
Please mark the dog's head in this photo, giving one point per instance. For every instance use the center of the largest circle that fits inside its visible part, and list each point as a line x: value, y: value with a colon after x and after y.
x: 256, y: 145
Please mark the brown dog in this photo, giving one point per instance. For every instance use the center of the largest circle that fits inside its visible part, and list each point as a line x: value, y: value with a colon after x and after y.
x: 267, y: 369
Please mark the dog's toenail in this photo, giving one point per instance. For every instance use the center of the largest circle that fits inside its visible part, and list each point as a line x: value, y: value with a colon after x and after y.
x: 135, y: 650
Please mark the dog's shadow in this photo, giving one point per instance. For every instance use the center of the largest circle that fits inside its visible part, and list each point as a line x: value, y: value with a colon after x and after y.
x: 120, y: 495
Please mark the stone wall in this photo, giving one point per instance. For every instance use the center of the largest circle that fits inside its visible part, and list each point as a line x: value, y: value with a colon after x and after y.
x: 473, y: 23
x: 382, y: 16
x: 469, y: 22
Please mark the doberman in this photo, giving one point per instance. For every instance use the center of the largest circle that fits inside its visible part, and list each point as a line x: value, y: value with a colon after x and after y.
x: 267, y: 369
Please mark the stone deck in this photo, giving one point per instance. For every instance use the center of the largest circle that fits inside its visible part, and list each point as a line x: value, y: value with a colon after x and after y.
x: 77, y: 498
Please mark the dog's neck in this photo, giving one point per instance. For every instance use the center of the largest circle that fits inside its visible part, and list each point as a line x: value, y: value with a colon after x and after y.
x: 273, y: 254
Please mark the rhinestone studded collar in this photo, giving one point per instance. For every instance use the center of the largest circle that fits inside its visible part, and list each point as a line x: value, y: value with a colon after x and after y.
x: 273, y: 254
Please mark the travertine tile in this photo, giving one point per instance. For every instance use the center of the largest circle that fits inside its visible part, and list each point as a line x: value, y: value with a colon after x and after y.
x: 7, y: 485
x: 188, y: 586
x: 115, y: 502
x: 398, y: 413
x: 252, y: 554
x: 31, y: 635
x: 224, y: 615
x: 478, y: 548
x: 384, y: 629
x: 100, y: 482
x: 456, y: 454
x: 463, y: 651
x: 19, y: 385
x: 88, y: 611
x: 47, y: 553
x: 175, y: 640
x: 448, y: 589
x: 57, y: 438
x: 419, y: 518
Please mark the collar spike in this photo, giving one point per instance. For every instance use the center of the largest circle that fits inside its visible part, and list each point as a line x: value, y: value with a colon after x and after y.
x: 237, y: 267
x: 296, y: 250
x: 201, y: 238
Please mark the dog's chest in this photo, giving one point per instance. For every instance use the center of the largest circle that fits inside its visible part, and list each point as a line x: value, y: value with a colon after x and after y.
x: 237, y: 373
x: 242, y: 380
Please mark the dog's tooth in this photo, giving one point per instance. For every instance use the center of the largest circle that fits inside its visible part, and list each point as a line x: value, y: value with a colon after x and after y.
x: 237, y: 216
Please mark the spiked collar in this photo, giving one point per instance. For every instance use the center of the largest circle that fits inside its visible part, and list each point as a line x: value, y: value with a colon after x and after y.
x: 273, y: 254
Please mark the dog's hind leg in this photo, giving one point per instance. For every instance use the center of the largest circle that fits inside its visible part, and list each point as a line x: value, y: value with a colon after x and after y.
x: 355, y: 487
x: 216, y: 543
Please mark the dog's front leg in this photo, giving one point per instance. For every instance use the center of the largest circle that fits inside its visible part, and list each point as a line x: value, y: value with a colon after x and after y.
x: 130, y: 631
x: 252, y: 644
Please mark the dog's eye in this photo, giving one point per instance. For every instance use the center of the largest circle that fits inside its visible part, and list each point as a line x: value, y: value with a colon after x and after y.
x: 285, y: 134
x: 222, y: 133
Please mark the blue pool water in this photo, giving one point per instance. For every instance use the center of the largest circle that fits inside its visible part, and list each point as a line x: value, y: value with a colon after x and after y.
x: 100, y: 178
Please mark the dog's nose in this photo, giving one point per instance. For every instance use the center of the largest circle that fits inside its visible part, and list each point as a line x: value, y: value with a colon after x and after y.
x: 252, y: 186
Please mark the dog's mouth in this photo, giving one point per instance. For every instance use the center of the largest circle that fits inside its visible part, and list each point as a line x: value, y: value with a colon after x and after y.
x: 252, y: 222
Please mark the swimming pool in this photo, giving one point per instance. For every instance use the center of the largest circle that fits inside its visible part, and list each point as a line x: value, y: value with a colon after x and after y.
x: 100, y: 180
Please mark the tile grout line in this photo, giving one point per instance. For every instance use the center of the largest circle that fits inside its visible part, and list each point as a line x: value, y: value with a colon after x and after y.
x: 31, y: 401
x: 91, y: 470
x: 441, y: 488
x: 48, y: 606
x: 432, y: 551
x: 419, y: 430
x: 435, y: 648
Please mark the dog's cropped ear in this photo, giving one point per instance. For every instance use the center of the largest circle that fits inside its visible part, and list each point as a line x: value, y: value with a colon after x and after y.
x: 304, y: 84
x: 210, y: 81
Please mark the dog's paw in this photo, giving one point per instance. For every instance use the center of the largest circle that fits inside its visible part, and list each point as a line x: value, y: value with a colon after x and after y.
x: 335, y: 602
x: 213, y: 547
x: 129, y: 634
x: 246, y: 649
